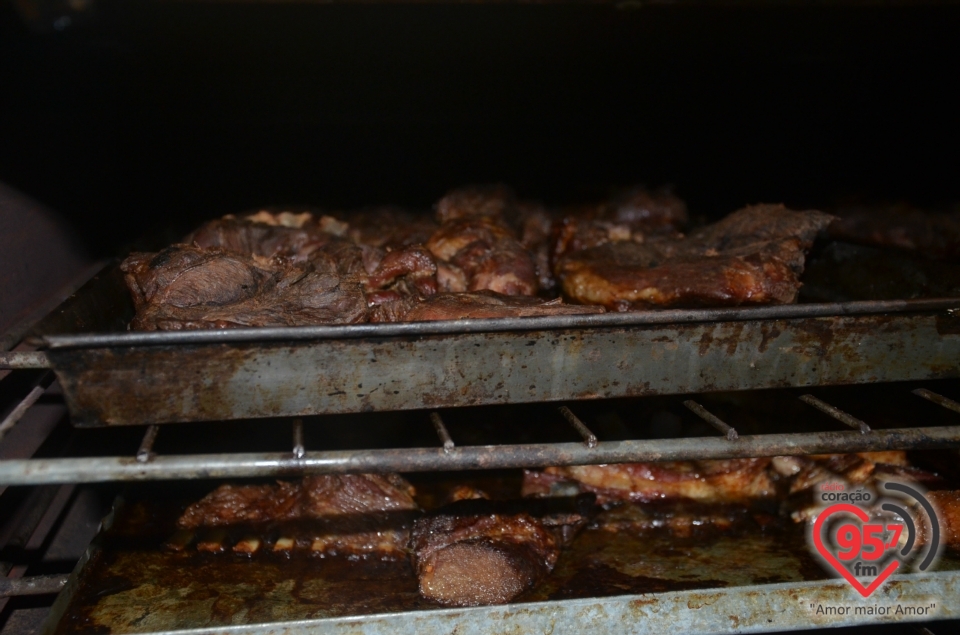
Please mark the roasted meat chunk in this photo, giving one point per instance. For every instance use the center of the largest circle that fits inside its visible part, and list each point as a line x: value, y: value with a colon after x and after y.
x: 635, y: 215
x: 466, y: 559
x: 185, y: 287
x: 482, y: 304
x: 288, y: 235
x: 478, y: 247
x: 353, y: 514
x: 753, y: 256
x: 730, y: 481
x: 934, y: 234
x: 389, y: 228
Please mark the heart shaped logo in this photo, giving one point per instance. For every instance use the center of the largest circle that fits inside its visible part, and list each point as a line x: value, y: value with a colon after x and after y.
x: 853, y: 538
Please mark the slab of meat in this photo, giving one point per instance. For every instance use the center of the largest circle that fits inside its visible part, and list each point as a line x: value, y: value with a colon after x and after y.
x: 468, y: 559
x: 635, y: 215
x: 354, y: 514
x: 287, y: 235
x: 390, y: 228
x: 730, y: 481
x: 482, y: 304
x: 930, y: 233
x: 865, y: 470
x: 477, y: 246
x: 753, y: 256
x: 185, y: 287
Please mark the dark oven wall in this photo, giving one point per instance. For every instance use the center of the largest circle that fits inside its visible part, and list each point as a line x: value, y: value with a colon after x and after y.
x: 155, y: 114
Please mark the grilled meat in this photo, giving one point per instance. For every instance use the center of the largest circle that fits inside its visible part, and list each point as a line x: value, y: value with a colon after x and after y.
x: 730, y: 481
x: 288, y: 235
x: 753, y: 256
x: 482, y: 304
x: 465, y: 558
x: 390, y: 228
x: 635, y: 215
x: 933, y: 234
x: 344, y: 514
x: 185, y: 287
x: 477, y: 246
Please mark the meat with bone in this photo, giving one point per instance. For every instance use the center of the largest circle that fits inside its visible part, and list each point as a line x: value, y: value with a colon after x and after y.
x: 636, y: 215
x: 482, y: 304
x: 930, y: 233
x: 465, y: 556
x: 347, y: 514
x: 753, y: 256
x: 728, y: 481
x: 477, y: 246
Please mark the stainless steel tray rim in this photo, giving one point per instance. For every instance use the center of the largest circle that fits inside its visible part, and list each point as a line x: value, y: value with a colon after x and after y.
x: 494, y: 325
x: 436, y: 619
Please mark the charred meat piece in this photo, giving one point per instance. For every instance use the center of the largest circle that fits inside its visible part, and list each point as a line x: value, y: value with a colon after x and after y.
x: 353, y: 514
x: 240, y: 504
x: 185, y: 287
x: 483, y: 304
x: 636, y: 215
x: 753, y: 256
x: 469, y: 559
x: 729, y: 481
x: 930, y: 233
x: 287, y: 235
x: 477, y: 246
x: 484, y: 201
x: 390, y: 228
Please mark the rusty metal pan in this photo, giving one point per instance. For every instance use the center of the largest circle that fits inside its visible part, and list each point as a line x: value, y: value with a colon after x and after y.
x: 606, y: 582
x: 113, y: 377
x: 748, y: 609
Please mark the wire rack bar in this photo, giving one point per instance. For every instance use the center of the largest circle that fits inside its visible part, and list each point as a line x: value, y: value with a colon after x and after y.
x: 103, y: 469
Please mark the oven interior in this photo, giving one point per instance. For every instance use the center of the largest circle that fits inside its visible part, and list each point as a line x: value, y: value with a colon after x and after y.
x: 137, y: 120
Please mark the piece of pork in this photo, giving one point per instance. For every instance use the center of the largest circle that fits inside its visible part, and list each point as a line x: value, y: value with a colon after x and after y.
x: 347, y: 514
x: 753, y: 256
x: 712, y: 481
x: 478, y: 246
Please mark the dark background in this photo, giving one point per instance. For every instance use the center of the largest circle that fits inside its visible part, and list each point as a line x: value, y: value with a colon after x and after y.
x: 161, y: 114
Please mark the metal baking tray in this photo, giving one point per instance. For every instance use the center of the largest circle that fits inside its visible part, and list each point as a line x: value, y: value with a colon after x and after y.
x: 111, y: 376
x: 742, y: 580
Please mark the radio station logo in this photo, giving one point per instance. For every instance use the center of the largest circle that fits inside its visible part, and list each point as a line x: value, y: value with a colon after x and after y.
x: 866, y: 540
